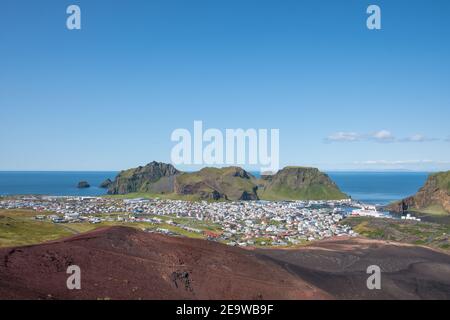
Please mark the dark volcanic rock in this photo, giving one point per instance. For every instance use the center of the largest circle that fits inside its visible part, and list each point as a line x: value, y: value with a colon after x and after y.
x: 83, y: 185
x: 106, y: 184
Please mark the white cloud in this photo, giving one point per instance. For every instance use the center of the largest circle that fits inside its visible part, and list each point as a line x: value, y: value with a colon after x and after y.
x: 383, y: 136
x: 344, y: 136
x: 399, y: 162
x: 418, y: 138
x: 415, y: 165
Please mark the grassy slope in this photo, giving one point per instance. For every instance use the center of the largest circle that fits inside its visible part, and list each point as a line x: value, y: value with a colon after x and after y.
x: 443, y: 180
x: 19, y: 228
x: 148, y: 195
x: 435, y: 209
x: 420, y: 233
x: 316, y: 192
x: 443, y: 183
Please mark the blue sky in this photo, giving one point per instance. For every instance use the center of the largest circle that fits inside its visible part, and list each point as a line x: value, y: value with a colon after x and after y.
x: 108, y: 97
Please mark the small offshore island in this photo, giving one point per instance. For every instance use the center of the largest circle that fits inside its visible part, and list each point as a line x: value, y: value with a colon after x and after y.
x: 83, y: 185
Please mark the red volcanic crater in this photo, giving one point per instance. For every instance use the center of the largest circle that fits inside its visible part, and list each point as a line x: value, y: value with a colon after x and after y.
x: 125, y: 263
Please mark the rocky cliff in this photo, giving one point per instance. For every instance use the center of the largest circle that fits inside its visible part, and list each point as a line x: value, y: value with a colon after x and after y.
x: 432, y: 198
x: 299, y: 183
x: 155, y: 177
x: 232, y: 183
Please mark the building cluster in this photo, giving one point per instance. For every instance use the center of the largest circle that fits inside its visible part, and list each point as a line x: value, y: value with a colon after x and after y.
x: 242, y: 223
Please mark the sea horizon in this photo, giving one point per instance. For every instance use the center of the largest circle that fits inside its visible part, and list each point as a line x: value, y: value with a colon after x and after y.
x: 372, y: 187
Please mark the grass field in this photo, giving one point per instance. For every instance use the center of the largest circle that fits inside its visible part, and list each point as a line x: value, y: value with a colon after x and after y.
x: 412, y: 232
x: 18, y: 227
x: 436, y: 210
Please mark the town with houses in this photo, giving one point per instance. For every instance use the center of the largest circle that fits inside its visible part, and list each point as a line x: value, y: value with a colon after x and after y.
x: 237, y: 223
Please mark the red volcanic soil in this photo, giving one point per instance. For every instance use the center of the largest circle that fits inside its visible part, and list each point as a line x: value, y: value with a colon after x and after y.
x: 125, y: 263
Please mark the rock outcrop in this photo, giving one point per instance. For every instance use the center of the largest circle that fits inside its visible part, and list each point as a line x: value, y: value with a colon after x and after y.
x: 432, y: 198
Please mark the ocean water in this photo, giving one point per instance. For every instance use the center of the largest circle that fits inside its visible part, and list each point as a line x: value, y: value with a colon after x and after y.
x: 369, y: 187
x: 52, y: 183
x: 379, y: 187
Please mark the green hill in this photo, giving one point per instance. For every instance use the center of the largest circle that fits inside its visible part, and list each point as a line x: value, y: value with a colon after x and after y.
x: 300, y: 183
